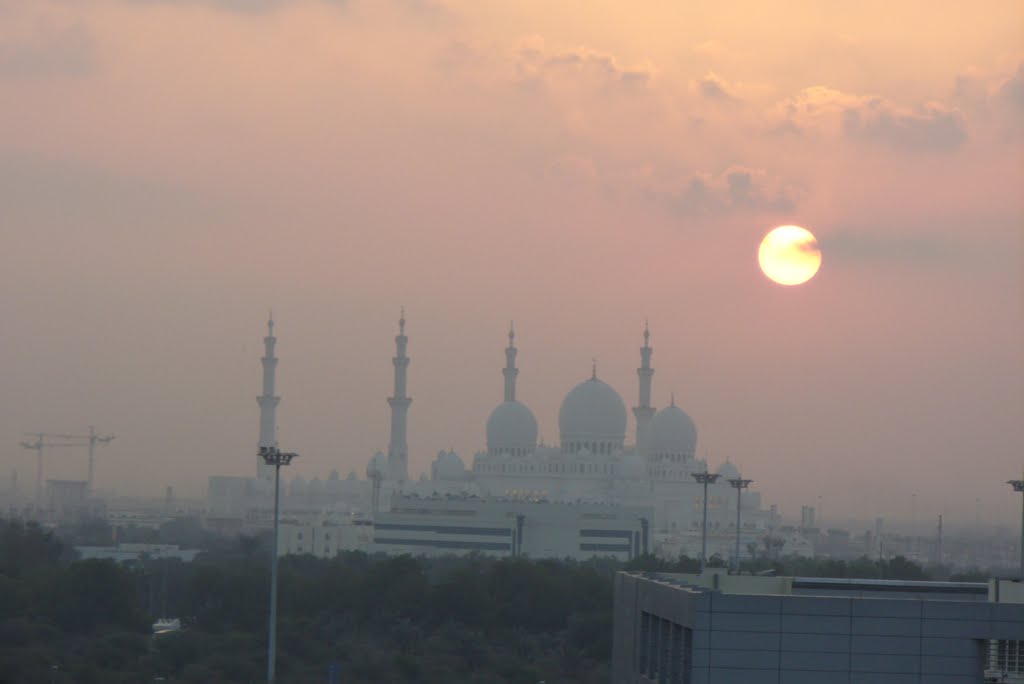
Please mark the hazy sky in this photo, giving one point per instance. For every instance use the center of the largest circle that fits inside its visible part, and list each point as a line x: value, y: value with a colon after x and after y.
x: 169, y: 169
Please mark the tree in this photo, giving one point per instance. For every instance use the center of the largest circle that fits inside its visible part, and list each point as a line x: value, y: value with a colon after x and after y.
x: 92, y: 593
x: 27, y: 548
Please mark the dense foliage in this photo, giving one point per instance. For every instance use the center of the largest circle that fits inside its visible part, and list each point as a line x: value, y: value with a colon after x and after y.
x: 371, y: 619
x: 375, y: 619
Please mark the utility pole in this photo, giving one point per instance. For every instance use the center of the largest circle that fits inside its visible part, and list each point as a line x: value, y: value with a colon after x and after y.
x: 739, y: 484
x: 275, y: 458
x: 705, y: 479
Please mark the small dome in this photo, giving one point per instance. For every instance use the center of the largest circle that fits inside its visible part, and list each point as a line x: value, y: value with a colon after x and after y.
x: 728, y: 471
x: 378, y: 464
x: 592, y: 412
x: 448, y: 466
x: 511, y: 428
x: 672, y: 432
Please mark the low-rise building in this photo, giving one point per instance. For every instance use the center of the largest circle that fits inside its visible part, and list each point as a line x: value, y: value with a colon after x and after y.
x: 728, y: 629
x: 457, y: 525
x: 126, y: 553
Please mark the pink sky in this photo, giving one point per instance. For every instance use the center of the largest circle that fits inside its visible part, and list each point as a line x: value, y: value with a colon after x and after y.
x: 169, y: 170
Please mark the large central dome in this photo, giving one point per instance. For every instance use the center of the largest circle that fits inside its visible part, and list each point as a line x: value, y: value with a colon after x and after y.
x: 592, y: 417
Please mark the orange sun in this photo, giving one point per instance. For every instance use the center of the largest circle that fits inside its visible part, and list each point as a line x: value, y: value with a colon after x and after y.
x: 789, y: 255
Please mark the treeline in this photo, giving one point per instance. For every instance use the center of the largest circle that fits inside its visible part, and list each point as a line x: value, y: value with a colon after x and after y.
x: 373, y: 619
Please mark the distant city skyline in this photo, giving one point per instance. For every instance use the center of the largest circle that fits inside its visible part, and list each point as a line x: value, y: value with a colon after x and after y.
x: 169, y: 170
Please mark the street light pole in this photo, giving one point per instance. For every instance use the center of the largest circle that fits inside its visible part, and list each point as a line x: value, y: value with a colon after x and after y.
x: 273, y: 456
x: 739, y: 484
x: 1018, y: 486
x: 705, y: 479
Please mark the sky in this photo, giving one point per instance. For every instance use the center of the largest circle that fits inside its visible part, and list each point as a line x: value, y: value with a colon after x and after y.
x: 172, y: 169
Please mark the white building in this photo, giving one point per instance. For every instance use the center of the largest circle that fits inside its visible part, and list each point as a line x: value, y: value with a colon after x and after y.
x: 324, y: 536
x: 442, y: 525
x: 123, y: 553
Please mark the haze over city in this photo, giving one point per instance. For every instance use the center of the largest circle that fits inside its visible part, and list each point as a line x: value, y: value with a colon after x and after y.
x: 169, y: 171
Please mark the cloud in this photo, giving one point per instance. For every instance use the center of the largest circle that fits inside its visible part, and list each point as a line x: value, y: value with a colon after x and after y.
x: 239, y: 6
x: 784, y: 129
x: 736, y: 189
x: 459, y: 54
x: 883, y: 246
x: 928, y: 127
x: 534, y: 60
x: 931, y: 127
x: 68, y: 51
x: 1012, y: 91
x: 424, y: 9
x: 37, y: 190
x: 714, y: 88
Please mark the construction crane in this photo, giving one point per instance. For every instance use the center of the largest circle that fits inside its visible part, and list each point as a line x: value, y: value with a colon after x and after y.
x: 44, y: 440
x: 91, y: 439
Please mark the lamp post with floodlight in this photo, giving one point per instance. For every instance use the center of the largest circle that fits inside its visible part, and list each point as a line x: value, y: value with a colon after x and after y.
x: 273, y: 456
x: 1018, y: 486
x: 705, y: 479
x: 739, y: 484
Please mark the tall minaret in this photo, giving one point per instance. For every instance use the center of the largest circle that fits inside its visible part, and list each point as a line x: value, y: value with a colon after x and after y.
x: 267, y: 401
x: 398, y: 448
x: 644, y: 411
x: 510, y: 371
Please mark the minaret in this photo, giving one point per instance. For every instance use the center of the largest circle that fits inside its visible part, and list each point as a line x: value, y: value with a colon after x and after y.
x: 510, y: 371
x: 268, y: 402
x: 644, y: 411
x: 398, y: 448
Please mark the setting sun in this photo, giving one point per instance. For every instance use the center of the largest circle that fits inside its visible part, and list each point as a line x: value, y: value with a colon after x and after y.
x: 789, y: 255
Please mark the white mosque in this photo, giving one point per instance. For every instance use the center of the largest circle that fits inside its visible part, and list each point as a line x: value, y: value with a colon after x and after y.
x: 568, y: 498
x: 593, y: 463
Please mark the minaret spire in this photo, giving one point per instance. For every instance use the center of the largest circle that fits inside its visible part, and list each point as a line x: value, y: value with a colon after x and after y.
x: 268, y: 401
x: 510, y: 371
x: 398, y: 448
x: 643, y: 411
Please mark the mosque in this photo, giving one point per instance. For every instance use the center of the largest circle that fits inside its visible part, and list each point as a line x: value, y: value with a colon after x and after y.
x: 592, y: 463
x: 594, y: 485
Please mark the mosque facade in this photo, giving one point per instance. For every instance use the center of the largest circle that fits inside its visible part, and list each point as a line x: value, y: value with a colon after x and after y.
x: 594, y: 462
x: 596, y: 465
